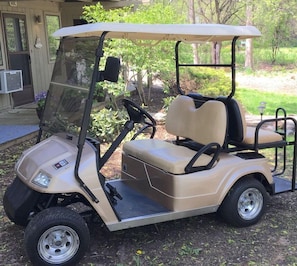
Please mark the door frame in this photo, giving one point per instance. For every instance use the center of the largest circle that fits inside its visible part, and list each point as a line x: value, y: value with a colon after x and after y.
x: 27, y: 95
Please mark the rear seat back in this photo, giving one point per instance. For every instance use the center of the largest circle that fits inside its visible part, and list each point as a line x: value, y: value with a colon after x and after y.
x: 204, y: 125
x: 241, y: 135
x: 236, y: 119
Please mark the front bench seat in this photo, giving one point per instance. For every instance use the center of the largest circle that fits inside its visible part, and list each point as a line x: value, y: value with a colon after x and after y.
x: 205, y: 125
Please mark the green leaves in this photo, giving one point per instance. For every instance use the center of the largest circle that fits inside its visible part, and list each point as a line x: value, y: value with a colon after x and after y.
x: 107, y: 124
x: 187, y: 249
x: 142, y: 56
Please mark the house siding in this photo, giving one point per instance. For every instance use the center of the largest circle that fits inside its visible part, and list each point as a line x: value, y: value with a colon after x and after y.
x: 40, y: 64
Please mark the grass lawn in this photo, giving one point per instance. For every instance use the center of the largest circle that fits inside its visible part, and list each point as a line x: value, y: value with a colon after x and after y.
x: 251, y: 99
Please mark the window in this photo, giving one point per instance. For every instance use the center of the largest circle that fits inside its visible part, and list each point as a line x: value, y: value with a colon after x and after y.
x: 15, y: 28
x: 52, y: 24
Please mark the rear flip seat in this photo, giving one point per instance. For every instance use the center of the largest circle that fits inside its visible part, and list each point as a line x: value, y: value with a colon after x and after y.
x: 241, y: 135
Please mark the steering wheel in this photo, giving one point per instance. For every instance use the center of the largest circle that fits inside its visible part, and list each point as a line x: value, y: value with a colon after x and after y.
x: 139, y: 115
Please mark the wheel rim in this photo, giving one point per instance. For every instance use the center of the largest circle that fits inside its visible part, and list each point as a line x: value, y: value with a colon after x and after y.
x: 250, y: 204
x: 58, y: 244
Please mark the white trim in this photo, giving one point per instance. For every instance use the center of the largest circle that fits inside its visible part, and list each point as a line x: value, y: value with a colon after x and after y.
x: 45, y: 14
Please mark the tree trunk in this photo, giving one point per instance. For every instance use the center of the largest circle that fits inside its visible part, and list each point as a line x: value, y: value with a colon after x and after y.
x: 216, y: 52
x: 140, y: 88
x: 249, y: 54
x: 192, y: 19
x: 249, y: 43
x: 149, y: 84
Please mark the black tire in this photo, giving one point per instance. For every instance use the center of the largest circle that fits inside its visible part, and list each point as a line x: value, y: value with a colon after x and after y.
x: 56, y: 236
x: 245, y: 203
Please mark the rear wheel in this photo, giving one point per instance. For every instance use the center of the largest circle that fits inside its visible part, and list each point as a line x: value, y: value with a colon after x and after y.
x: 56, y: 236
x: 245, y: 203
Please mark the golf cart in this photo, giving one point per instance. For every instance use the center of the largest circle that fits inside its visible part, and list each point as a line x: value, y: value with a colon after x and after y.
x: 214, y: 163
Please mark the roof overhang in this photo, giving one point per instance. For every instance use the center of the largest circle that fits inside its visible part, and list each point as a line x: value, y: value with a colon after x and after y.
x: 171, y: 32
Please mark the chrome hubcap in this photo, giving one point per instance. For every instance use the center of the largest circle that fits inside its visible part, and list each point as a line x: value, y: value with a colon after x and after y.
x: 58, y: 244
x: 250, y: 204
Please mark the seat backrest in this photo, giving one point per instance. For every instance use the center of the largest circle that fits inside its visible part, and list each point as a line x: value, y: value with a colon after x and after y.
x: 204, y: 125
x: 236, y: 119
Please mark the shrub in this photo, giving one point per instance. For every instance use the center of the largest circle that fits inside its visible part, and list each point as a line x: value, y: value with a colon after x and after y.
x: 167, y: 101
x: 204, y: 80
x: 107, y: 124
x: 209, y: 81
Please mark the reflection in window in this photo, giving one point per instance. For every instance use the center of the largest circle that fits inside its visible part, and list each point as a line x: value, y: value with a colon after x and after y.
x: 15, y: 28
x: 52, y: 24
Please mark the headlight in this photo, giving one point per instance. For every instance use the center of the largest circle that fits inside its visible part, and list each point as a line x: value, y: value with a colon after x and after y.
x: 41, y: 180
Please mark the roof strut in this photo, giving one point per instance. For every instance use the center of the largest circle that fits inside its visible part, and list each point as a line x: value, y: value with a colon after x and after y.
x: 232, y: 65
x: 86, y: 118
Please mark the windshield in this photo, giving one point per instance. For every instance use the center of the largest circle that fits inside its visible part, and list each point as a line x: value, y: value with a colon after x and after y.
x: 69, y: 87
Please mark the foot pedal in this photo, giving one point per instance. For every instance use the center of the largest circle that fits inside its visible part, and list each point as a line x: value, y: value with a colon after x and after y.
x: 113, y: 193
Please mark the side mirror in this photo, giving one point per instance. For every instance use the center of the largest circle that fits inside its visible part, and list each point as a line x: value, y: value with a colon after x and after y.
x: 111, y: 71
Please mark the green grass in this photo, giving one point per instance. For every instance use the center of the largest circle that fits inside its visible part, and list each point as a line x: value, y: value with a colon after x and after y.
x: 251, y: 99
x: 284, y: 56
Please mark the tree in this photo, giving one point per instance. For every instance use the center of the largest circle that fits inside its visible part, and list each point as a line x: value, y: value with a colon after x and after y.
x: 273, y: 18
x: 249, y: 43
x: 144, y: 58
x: 220, y: 12
x: 192, y: 19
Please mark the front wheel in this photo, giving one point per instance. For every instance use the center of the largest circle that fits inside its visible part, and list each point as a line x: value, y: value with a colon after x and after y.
x: 56, y: 236
x: 245, y: 203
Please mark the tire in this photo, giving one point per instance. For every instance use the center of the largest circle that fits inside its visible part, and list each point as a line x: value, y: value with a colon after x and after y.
x: 56, y: 236
x: 245, y: 203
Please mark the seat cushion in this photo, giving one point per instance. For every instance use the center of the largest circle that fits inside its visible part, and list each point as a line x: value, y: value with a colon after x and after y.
x: 265, y: 136
x: 164, y: 155
x: 204, y: 125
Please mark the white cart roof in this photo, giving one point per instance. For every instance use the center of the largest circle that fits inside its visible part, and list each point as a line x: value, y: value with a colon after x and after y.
x: 174, y: 32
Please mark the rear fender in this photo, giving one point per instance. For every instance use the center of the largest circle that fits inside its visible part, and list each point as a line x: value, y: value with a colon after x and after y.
x: 262, y: 176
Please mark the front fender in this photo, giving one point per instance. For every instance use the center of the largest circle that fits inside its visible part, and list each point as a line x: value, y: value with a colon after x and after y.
x: 55, y: 157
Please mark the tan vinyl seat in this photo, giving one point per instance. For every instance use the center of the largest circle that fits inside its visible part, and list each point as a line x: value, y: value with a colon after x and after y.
x: 241, y: 135
x: 204, y: 125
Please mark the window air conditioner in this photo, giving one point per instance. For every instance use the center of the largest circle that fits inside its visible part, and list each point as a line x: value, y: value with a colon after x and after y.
x: 11, y: 81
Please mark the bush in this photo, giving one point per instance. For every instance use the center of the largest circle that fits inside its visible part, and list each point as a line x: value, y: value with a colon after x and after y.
x: 204, y: 80
x: 209, y: 81
x: 107, y: 124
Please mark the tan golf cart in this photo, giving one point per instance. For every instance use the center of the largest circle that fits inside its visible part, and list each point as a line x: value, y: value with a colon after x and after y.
x: 213, y: 164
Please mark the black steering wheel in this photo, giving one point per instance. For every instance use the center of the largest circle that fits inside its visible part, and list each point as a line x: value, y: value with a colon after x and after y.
x: 139, y: 115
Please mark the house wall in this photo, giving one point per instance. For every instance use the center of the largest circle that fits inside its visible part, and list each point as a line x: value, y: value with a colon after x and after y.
x: 40, y: 64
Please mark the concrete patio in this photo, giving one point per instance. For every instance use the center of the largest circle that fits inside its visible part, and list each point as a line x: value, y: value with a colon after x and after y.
x: 17, y: 124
